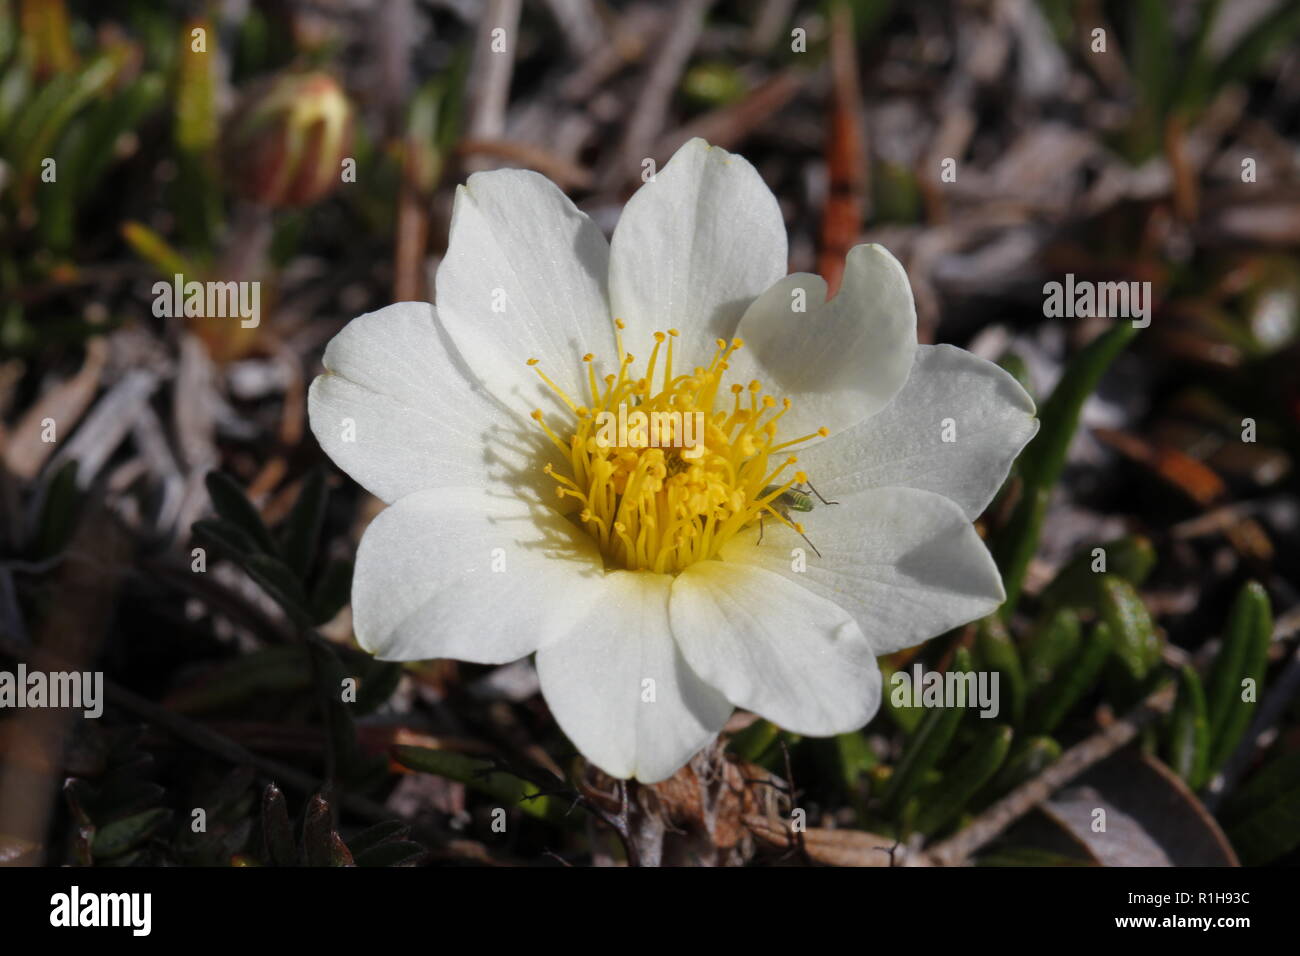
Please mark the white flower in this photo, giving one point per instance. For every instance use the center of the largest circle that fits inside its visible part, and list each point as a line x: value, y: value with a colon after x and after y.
x: 636, y: 574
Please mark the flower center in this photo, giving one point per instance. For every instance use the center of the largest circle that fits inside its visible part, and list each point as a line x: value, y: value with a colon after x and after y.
x: 666, y: 467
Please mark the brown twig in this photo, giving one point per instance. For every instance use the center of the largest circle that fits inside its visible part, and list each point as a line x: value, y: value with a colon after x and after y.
x: 651, y: 109
x: 993, y: 821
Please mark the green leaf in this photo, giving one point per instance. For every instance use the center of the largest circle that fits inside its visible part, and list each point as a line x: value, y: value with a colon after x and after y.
x: 1189, y: 730
x: 926, y: 746
x: 941, y: 803
x: 483, y: 776
x: 229, y: 540
x: 1195, y: 87
x: 196, y: 127
x: 232, y: 504
x: 395, y: 853
x: 332, y: 591
x: 386, y: 832
x: 377, y: 681
x: 330, y: 673
x: 282, y: 670
x: 157, y: 251
x: 1078, y: 585
x: 1029, y: 757
x: 751, y: 743
x: 997, y: 652
x: 1137, y: 645
x: 1274, y: 29
x: 303, y: 526
x: 906, y: 716
x: 1152, y: 42
x: 50, y: 111
x: 1053, y: 644
x: 58, y: 513
x: 1075, y: 680
x: 1263, y: 817
x: 274, y: 577
x: 855, y: 758
x: 1244, y: 655
x: 1015, y: 365
x: 114, y: 839
x: 1041, y: 462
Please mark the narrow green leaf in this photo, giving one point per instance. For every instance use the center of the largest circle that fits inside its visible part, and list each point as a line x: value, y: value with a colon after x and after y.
x: 1078, y: 584
x: 1271, y: 31
x: 229, y: 540
x: 906, y: 717
x: 157, y: 251
x: 386, y: 832
x: 751, y: 743
x: 303, y: 526
x: 926, y: 746
x: 114, y: 839
x: 332, y: 591
x: 232, y: 504
x: 395, y: 853
x: 1054, y: 643
x: 274, y: 577
x: 1189, y: 730
x: 855, y: 758
x: 997, y: 652
x: 1195, y: 86
x: 1152, y: 42
x: 1137, y: 645
x: 941, y: 803
x: 1074, y: 681
x: 281, y: 670
x: 1244, y: 656
x: 58, y: 512
x: 480, y: 775
x: 1263, y: 817
x: 1029, y: 757
x: 1014, y: 364
x: 1041, y: 462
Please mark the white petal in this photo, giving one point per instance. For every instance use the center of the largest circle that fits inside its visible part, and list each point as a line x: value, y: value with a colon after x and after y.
x: 431, y: 582
x: 396, y: 411
x: 524, y: 277
x: 774, y: 647
x: 595, y: 679
x: 839, y: 361
x: 992, y: 420
x: 693, y: 248
x: 907, y: 564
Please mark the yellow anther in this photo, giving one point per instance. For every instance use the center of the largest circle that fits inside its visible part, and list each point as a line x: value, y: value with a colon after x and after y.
x: 687, y: 475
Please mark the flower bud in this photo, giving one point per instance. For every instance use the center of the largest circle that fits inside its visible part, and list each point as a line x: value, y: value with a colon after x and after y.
x: 286, y: 140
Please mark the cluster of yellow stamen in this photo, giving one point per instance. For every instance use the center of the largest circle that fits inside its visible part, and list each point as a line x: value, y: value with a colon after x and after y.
x: 663, y: 508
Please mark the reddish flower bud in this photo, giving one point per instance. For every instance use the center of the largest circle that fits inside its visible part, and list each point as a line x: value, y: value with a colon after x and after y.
x: 286, y: 140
